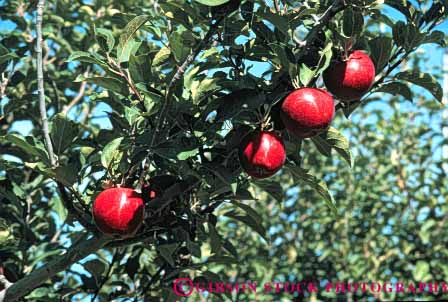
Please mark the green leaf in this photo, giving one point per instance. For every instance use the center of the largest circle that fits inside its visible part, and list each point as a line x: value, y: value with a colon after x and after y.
x: 238, y: 101
x: 279, y: 54
x: 58, y: 206
x: 107, y: 83
x: 325, y: 58
x: 67, y: 174
x: 105, y: 38
x: 230, y: 248
x: 194, y: 248
x: 380, y: 50
x: 403, y: 6
x: 210, y: 276
x: 249, y: 211
x: 184, y: 155
x: 306, y: 74
x: 272, y: 188
x: 215, y: 239
x: 318, y: 185
x: 407, y: 36
x: 139, y: 66
x: 200, y: 89
x: 131, y: 114
x: 129, y: 32
x: 396, y: 88
x: 437, y: 37
x: 212, y: 2
x: 63, y: 132
x: 421, y: 271
x: 249, y: 221
x: 399, y: 33
x: 161, y: 56
x: 167, y: 250
x: 7, y: 57
x: 178, y: 45
x: 333, y: 139
x: 130, y: 49
x: 352, y: 22
x: 424, y: 80
x: 20, y: 142
x: 83, y: 56
x: 111, y: 152
x: 222, y: 260
x: 96, y: 268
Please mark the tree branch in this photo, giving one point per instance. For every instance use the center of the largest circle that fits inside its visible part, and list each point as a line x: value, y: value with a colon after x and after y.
x: 80, y: 216
x: 178, y: 75
x: 36, y: 278
x: 117, y: 255
x: 169, y: 91
x: 40, y: 82
x: 79, y: 96
x: 332, y: 10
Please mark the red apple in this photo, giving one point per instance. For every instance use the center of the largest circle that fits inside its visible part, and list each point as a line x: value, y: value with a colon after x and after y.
x: 307, y: 111
x: 118, y: 211
x: 262, y: 154
x: 349, y: 80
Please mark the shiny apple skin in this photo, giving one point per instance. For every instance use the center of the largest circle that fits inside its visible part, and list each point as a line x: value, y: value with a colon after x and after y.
x: 349, y: 80
x: 118, y: 211
x: 307, y: 112
x: 262, y: 154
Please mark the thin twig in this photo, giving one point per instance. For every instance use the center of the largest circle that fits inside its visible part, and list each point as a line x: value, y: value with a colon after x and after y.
x: 403, y: 57
x: 106, y: 277
x: 331, y: 11
x: 56, y: 236
x: 154, y: 279
x: 125, y: 74
x: 40, y: 82
x: 4, y: 81
x: 81, y: 216
x: 79, y: 96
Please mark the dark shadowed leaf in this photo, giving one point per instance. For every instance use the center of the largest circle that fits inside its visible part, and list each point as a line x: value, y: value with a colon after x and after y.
x: 215, y: 239
x: 272, y: 188
x: 380, y: 50
x: 63, y: 132
x: 167, y: 251
x: 249, y: 221
x: 333, y: 139
x: 238, y: 101
x: 249, y: 211
x: 96, y: 268
x: 352, y: 22
x: 317, y: 184
x: 396, y: 88
x: 20, y: 142
x: 424, y: 80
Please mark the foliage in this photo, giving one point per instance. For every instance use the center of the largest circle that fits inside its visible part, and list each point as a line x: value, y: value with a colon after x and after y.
x: 140, y: 89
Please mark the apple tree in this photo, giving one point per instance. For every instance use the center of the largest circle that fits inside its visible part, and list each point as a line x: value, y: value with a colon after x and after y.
x: 123, y: 163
